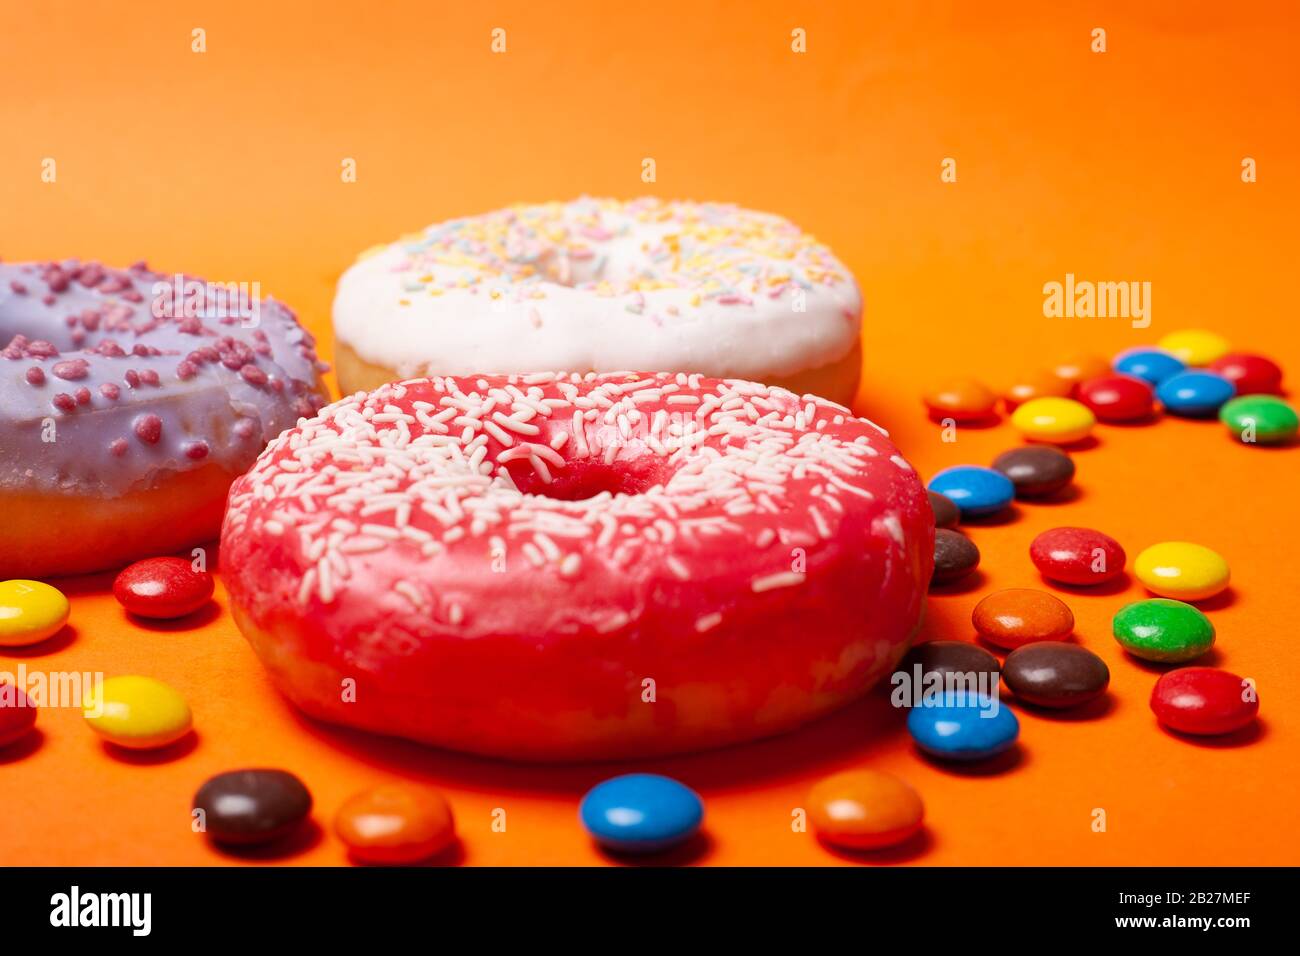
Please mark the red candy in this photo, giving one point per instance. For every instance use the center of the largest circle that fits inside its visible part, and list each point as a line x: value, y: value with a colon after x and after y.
x: 1204, y: 701
x: 1117, y: 398
x: 1077, y: 556
x: 17, y: 714
x: 162, y: 588
x: 1252, y: 374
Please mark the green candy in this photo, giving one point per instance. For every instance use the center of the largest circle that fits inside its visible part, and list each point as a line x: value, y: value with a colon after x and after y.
x: 1262, y: 419
x: 1163, y: 630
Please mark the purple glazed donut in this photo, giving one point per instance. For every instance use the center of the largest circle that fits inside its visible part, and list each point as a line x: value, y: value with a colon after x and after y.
x: 129, y: 401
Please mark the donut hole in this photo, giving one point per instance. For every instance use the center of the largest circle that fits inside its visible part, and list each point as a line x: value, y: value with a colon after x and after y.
x: 586, y: 478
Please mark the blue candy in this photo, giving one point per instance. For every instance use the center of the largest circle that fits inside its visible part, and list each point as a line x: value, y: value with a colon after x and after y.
x: 1194, y: 393
x: 974, y: 490
x: 965, y: 726
x: 1153, y: 366
x: 641, y: 813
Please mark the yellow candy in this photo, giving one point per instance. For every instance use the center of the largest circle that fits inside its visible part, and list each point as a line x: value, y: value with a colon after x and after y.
x: 29, y: 612
x: 137, y: 712
x: 1195, y: 346
x: 1056, y: 420
x: 1182, y: 570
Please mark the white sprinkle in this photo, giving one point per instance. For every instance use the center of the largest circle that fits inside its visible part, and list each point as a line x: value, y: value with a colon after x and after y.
x: 411, y: 593
x: 823, y: 529
x: 496, y: 432
x: 548, y: 546
x: 612, y: 623
x: 782, y: 579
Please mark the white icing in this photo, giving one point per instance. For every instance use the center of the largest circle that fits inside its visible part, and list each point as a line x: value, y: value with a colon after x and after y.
x: 540, y: 287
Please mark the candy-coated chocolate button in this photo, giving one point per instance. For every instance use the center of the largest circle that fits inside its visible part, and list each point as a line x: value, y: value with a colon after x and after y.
x: 1182, y: 570
x: 946, y: 514
x: 1036, y: 471
x: 1019, y: 616
x: 964, y: 400
x: 935, y: 668
x: 1163, y: 630
x: 1055, y: 674
x: 162, y: 587
x: 1153, y: 366
x: 137, y: 712
x: 1059, y: 421
x: 1195, y: 346
x: 864, y: 810
x: 17, y: 714
x: 964, y: 727
x: 395, y: 824
x: 30, y: 611
x: 252, y: 807
x: 1194, y: 393
x: 944, y: 658
x: 1204, y: 701
x: 1249, y: 374
x: 1118, y: 398
x: 641, y: 813
x: 1078, y: 556
x: 1039, y: 385
x: 1079, y: 368
x: 955, y: 556
x: 976, y: 491
x: 1260, y: 419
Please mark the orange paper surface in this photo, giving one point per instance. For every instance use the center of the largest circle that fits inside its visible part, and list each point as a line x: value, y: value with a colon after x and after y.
x: 1119, y: 166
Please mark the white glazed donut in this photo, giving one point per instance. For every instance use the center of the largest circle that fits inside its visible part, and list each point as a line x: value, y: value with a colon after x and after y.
x: 603, y: 285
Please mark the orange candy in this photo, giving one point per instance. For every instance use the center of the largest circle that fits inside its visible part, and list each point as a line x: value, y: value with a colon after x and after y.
x: 1080, y: 368
x: 395, y: 824
x: 1020, y: 616
x: 962, y: 400
x: 864, y: 810
x: 1039, y: 385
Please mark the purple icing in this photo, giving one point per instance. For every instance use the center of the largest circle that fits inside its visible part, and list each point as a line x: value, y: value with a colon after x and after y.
x: 133, y: 382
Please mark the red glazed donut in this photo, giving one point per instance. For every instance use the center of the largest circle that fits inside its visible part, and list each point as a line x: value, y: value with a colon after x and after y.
x: 559, y: 567
x: 127, y: 409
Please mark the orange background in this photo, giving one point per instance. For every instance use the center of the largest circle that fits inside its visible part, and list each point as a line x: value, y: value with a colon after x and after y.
x: 1116, y: 166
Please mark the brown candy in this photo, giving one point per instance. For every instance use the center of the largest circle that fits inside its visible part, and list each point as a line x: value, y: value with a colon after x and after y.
x: 946, y: 514
x: 955, y: 556
x: 1055, y: 674
x: 252, y: 807
x: 950, y: 657
x: 1036, y: 470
